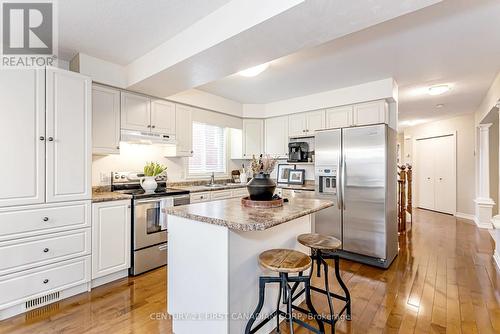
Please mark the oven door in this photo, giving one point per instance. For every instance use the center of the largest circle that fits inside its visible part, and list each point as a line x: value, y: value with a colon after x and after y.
x: 150, y: 222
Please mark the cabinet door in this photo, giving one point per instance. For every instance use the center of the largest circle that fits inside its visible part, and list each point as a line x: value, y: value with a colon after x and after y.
x: 340, y: 117
x: 296, y: 125
x: 22, y: 113
x: 370, y: 113
x: 253, y: 134
x: 276, y: 136
x: 163, y: 117
x: 135, y: 112
x: 425, y: 174
x: 69, y: 136
x: 444, y: 174
x: 184, y: 130
x: 315, y: 120
x: 110, y: 237
x: 105, y: 120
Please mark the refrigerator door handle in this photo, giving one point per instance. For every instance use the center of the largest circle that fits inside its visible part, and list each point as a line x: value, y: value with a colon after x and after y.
x: 343, y: 181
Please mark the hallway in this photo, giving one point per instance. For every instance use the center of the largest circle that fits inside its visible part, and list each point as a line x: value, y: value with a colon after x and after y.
x: 443, y: 281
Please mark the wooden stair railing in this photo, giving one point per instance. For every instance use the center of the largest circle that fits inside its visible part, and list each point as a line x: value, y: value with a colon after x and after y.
x: 404, y: 196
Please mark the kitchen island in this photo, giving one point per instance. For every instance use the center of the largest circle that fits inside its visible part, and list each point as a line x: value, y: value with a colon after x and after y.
x: 213, y: 271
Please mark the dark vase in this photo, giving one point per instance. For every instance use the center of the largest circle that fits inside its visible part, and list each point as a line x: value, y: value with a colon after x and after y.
x: 261, y: 187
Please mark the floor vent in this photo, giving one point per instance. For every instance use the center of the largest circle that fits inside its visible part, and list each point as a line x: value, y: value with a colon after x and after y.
x: 34, y: 303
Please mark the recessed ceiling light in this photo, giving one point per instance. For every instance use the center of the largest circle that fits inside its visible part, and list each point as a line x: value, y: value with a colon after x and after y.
x: 438, y: 90
x: 439, y: 106
x: 253, y: 71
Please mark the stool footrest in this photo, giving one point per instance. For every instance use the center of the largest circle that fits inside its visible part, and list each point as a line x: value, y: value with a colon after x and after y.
x: 331, y: 294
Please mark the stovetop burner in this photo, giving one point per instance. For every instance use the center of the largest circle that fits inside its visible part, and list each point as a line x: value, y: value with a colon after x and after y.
x: 160, y: 191
x: 129, y: 183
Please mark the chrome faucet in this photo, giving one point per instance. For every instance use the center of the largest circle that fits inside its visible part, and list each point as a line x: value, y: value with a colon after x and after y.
x: 212, y: 179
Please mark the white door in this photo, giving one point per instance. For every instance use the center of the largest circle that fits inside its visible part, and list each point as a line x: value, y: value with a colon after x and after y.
x: 136, y: 112
x: 110, y: 237
x: 444, y: 174
x: 315, y: 120
x: 184, y: 130
x: 374, y: 112
x: 276, y: 136
x: 340, y: 117
x: 425, y: 174
x: 163, y: 117
x: 253, y: 135
x: 22, y: 133
x: 69, y: 143
x: 105, y: 120
x: 297, y: 125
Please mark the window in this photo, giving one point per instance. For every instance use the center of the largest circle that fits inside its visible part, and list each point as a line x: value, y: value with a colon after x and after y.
x: 209, y: 146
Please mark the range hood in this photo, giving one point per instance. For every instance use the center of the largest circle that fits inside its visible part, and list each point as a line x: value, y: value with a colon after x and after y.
x: 147, y: 138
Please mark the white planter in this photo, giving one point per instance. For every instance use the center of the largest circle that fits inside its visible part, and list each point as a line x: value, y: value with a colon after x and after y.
x: 149, y: 184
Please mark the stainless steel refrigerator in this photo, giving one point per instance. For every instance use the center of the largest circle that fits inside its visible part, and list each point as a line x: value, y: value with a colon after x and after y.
x: 356, y: 168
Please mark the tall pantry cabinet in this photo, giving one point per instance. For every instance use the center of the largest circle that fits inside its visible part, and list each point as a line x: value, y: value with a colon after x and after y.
x: 46, y: 152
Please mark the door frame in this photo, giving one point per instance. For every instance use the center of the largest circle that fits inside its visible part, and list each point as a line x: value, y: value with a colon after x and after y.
x: 415, y: 164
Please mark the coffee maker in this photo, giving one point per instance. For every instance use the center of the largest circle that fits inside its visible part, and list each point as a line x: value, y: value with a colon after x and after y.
x: 298, y: 151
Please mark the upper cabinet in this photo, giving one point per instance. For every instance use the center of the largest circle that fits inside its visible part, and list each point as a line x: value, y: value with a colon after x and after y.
x: 340, y: 117
x: 135, y: 112
x: 69, y: 136
x: 304, y: 124
x: 22, y: 110
x: 163, y: 117
x: 371, y: 113
x: 253, y: 137
x: 105, y: 120
x: 184, y: 130
x: 276, y: 136
x: 51, y: 109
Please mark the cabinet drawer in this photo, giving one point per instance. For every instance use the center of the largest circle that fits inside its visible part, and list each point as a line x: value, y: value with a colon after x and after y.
x: 200, y: 197
x: 33, y: 283
x: 34, y: 220
x: 220, y: 194
x: 21, y: 254
x: 241, y: 192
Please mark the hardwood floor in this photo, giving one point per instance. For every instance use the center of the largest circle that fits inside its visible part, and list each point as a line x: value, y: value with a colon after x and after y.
x: 443, y: 281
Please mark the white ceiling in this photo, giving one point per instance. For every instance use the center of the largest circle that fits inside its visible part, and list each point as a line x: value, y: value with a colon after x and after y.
x: 120, y: 31
x: 455, y: 42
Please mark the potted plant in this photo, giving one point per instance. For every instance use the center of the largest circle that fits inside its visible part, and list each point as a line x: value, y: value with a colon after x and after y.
x: 151, y: 171
x: 261, y: 187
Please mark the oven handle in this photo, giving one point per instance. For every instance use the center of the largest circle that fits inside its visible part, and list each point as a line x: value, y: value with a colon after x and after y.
x: 142, y: 201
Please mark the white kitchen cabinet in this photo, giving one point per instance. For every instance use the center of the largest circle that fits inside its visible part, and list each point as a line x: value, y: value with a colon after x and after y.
x: 276, y: 136
x: 163, y: 117
x: 339, y: 117
x: 304, y: 124
x: 110, y: 238
x: 105, y: 120
x: 22, y: 128
x: 221, y: 194
x: 199, y: 197
x: 253, y: 137
x: 236, y: 143
x: 135, y: 112
x: 239, y: 192
x: 69, y: 136
x: 374, y: 112
x: 184, y: 132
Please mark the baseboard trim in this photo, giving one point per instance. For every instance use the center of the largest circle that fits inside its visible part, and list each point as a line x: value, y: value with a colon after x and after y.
x: 496, y: 258
x: 482, y: 225
x: 465, y: 216
x: 109, y: 278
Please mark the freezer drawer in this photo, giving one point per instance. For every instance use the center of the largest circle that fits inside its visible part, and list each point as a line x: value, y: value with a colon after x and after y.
x: 149, y: 258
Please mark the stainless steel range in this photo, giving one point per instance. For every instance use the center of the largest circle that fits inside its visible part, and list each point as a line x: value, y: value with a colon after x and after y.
x: 149, y: 220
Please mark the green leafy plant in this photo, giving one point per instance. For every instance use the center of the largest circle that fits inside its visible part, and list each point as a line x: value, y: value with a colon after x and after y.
x: 154, y: 169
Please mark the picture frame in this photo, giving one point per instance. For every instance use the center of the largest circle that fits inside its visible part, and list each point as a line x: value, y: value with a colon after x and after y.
x: 296, y: 176
x: 283, y: 171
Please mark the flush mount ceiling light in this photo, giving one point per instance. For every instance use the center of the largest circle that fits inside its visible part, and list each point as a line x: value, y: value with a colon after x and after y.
x: 253, y: 71
x: 439, y: 106
x: 438, y: 90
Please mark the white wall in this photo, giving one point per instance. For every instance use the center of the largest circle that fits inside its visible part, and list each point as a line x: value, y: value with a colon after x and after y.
x: 494, y: 167
x: 206, y: 100
x: 490, y: 100
x: 464, y: 128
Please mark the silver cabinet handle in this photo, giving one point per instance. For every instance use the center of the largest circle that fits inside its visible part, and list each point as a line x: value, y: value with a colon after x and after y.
x: 149, y: 126
x: 45, y: 250
x: 45, y: 281
x: 153, y: 126
x: 42, y: 138
x: 45, y: 219
x: 163, y: 247
x: 50, y: 139
x: 118, y: 147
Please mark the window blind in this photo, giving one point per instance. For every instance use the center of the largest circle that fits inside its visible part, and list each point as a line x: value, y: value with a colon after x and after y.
x: 209, y: 146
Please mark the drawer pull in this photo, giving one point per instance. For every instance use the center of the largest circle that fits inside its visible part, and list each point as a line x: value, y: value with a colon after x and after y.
x: 45, y: 219
x: 45, y: 281
x: 45, y: 250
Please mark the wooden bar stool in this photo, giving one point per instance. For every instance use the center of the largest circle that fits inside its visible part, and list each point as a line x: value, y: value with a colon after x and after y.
x: 324, y: 247
x: 285, y: 262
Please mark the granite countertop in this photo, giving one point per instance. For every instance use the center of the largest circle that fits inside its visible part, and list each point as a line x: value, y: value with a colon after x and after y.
x: 232, y: 214
x: 105, y: 196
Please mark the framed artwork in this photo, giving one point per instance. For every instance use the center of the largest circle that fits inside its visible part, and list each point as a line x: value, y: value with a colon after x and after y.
x: 283, y: 171
x: 296, y: 176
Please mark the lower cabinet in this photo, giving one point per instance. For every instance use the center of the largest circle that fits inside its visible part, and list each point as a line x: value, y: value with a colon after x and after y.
x: 218, y: 195
x: 111, y: 228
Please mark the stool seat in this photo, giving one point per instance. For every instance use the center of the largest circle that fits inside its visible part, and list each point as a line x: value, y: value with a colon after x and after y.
x: 285, y: 260
x: 319, y: 241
